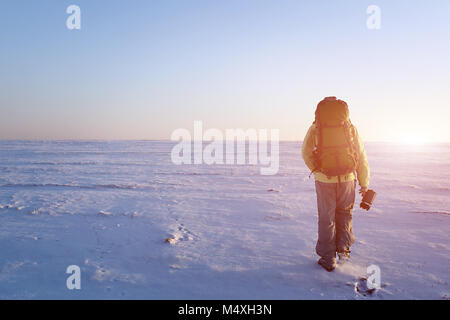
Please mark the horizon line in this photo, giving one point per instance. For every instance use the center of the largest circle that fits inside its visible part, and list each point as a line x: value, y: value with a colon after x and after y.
x: 168, y: 140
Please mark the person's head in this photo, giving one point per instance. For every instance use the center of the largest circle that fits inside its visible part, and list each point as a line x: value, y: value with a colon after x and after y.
x: 332, y: 99
x: 333, y: 109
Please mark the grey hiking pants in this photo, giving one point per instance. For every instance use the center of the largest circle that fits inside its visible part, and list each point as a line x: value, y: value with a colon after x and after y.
x: 335, y: 203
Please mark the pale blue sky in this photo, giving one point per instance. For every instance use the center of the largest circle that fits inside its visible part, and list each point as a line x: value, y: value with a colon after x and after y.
x: 141, y: 69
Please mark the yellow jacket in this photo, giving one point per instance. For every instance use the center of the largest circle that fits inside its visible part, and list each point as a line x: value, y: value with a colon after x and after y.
x: 363, y: 171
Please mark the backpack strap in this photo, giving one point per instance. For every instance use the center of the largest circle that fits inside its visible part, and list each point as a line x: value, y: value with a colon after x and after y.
x: 350, y: 138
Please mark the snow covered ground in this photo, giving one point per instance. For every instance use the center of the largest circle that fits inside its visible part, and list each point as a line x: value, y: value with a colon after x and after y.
x: 109, y: 206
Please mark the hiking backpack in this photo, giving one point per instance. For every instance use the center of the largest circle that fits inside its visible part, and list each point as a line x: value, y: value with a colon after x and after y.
x: 335, y: 153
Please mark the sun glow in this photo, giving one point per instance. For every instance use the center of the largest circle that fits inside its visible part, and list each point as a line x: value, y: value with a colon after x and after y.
x: 412, y: 140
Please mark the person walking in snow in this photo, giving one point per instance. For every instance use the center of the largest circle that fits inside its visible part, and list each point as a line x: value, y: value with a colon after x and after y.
x: 334, y: 152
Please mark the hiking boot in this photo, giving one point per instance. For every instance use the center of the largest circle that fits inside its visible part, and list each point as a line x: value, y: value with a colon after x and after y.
x: 328, y: 264
x: 343, y: 256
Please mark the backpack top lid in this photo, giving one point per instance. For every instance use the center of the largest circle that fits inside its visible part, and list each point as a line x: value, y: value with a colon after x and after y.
x: 332, y: 112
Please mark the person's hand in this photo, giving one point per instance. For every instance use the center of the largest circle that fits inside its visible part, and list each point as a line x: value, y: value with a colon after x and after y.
x: 362, y: 191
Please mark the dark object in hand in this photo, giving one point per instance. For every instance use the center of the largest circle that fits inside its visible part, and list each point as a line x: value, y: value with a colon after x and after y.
x: 368, y: 199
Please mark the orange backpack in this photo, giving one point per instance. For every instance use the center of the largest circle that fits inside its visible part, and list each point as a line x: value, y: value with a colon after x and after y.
x: 335, y: 153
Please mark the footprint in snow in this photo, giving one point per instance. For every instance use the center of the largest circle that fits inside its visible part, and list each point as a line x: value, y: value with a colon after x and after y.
x: 182, y: 234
